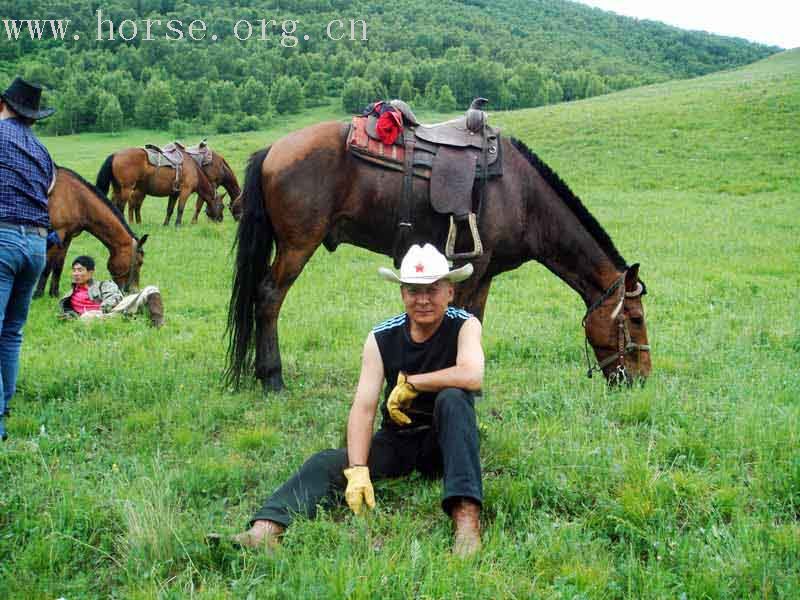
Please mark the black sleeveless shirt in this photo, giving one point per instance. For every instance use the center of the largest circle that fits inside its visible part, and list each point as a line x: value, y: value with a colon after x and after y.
x: 400, y: 353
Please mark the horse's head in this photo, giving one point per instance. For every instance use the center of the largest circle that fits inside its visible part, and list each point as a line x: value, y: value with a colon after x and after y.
x: 616, y: 329
x: 137, y: 261
x: 125, y: 266
x: 215, y: 207
x: 236, y: 207
x: 227, y: 179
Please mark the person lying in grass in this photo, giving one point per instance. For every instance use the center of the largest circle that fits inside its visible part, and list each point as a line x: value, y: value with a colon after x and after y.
x: 89, y: 299
x: 431, y: 361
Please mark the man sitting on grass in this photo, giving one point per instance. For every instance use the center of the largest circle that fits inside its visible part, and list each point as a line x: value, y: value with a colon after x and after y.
x: 90, y: 299
x: 431, y: 361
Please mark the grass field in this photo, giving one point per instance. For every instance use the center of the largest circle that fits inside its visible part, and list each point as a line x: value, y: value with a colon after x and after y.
x: 125, y: 449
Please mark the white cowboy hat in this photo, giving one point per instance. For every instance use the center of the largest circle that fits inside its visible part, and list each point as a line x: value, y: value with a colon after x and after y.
x: 424, y: 265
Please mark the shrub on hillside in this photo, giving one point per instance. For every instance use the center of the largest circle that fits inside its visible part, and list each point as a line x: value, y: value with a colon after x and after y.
x: 180, y: 128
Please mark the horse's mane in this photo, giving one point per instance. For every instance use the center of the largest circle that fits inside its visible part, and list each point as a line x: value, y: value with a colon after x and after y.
x: 225, y: 162
x: 103, y: 198
x: 202, y: 179
x: 574, y: 203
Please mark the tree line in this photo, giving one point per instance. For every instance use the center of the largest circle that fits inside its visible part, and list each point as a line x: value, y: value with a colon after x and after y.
x: 517, y: 53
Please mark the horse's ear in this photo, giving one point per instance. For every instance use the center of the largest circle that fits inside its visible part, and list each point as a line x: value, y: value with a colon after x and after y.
x: 143, y: 239
x: 631, y: 277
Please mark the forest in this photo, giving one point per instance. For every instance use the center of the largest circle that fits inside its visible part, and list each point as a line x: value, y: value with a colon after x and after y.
x: 516, y: 53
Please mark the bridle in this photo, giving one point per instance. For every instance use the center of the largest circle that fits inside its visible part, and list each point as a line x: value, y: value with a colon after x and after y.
x: 135, y: 247
x: 217, y: 198
x: 624, y: 344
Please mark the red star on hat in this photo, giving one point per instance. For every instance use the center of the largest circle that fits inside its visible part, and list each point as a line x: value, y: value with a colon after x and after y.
x: 420, y: 267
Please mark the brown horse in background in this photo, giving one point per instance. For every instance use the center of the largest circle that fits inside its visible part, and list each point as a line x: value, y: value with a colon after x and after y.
x: 219, y: 173
x: 133, y: 177
x: 75, y: 205
x: 307, y: 189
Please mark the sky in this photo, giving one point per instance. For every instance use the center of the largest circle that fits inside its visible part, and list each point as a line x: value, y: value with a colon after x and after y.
x: 774, y: 22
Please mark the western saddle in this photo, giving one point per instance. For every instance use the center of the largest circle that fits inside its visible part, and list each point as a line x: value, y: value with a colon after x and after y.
x: 173, y: 154
x: 452, y: 155
x: 201, y: 153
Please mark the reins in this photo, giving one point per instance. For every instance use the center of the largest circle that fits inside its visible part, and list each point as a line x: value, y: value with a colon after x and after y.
x: 625, y: 345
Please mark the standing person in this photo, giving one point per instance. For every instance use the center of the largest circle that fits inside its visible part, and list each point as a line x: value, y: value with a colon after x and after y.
x: 431, y: 361
x: 27, y: 175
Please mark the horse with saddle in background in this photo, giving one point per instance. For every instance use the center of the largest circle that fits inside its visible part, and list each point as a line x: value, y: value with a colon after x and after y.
x: 75, y: 205
x: 218, y: 171
x: 169, y: 171
x: 386, y: 182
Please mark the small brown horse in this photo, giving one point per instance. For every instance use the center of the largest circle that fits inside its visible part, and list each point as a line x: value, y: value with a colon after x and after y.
x: 75, y: 205
x: 219, y: 173
x: 133, y: 177
x: 307, y: 189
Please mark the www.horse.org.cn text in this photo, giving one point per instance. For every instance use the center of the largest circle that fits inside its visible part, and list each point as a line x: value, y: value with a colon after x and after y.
x: 287, y: 31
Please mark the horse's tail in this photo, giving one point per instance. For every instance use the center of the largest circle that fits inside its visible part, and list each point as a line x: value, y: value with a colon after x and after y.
x: 106, y: 175
x: 253, y: 246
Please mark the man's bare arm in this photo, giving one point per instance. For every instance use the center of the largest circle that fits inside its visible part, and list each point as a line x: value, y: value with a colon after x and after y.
x: 365, y: 404
x: 467, y: 374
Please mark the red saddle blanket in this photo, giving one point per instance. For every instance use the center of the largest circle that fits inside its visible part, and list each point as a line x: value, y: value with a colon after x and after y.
x: 389, y: 155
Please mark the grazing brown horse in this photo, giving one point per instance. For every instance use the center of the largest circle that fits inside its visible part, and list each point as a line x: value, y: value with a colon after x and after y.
x: 133, y: 177
x: 307, y: 189
x: 75, y: 205
x: 219, y: 173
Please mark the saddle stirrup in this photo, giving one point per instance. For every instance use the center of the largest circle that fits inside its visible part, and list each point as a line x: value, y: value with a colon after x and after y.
x: 477, y: 246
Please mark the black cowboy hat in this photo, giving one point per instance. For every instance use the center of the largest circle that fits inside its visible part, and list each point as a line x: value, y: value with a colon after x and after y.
x: 24, y: 98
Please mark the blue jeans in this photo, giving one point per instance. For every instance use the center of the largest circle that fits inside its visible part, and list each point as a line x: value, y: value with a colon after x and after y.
x: 22, y: 258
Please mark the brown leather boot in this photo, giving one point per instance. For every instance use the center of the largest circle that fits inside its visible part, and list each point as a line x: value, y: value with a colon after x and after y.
x: 156, y: 309
x: 467, y: 523
x: 263, y: 534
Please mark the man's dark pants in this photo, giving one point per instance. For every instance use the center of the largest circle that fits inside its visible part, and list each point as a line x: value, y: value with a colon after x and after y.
x: 448, y: 448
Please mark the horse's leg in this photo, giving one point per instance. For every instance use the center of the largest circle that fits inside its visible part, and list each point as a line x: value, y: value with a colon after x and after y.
x: 198, y: 205
x: 139, y: 202
x: 118, y: 199
x: 471, y: 295
x: 40, y: 285
x: 184, y: 195
x: 476, y: 304
x: 170, y: 208
x: 272, y: 292
x: 127, y: 195
x: 59, y: 256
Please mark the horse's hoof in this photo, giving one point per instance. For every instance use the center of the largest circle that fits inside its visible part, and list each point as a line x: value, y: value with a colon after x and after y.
x: 273, y: 383
x: 38, y: 294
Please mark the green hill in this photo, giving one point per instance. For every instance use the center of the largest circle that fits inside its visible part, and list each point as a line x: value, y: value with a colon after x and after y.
x: 517, y: 53
x: 125, y: 451
x: 732, y: 132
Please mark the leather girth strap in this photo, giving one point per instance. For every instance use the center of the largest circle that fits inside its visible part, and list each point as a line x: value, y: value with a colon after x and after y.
x: 405, y: 224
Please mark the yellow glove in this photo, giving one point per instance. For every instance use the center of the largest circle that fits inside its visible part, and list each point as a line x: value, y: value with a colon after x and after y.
x: 359, y: 489
x: 401, y: 397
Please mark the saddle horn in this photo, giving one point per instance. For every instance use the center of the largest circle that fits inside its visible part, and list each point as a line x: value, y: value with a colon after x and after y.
x: 476, y: 118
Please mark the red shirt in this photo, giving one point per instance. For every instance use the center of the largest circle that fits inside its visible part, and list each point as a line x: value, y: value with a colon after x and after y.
x: 80, y: 300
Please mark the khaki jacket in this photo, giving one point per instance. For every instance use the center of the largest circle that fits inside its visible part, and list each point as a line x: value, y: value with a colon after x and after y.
x: 105, y: 292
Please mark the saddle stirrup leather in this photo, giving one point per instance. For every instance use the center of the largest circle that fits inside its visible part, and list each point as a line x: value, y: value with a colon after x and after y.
x: 477, y: 245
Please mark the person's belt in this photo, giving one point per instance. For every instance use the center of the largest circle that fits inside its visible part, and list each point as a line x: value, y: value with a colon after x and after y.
x: 40, y: 231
